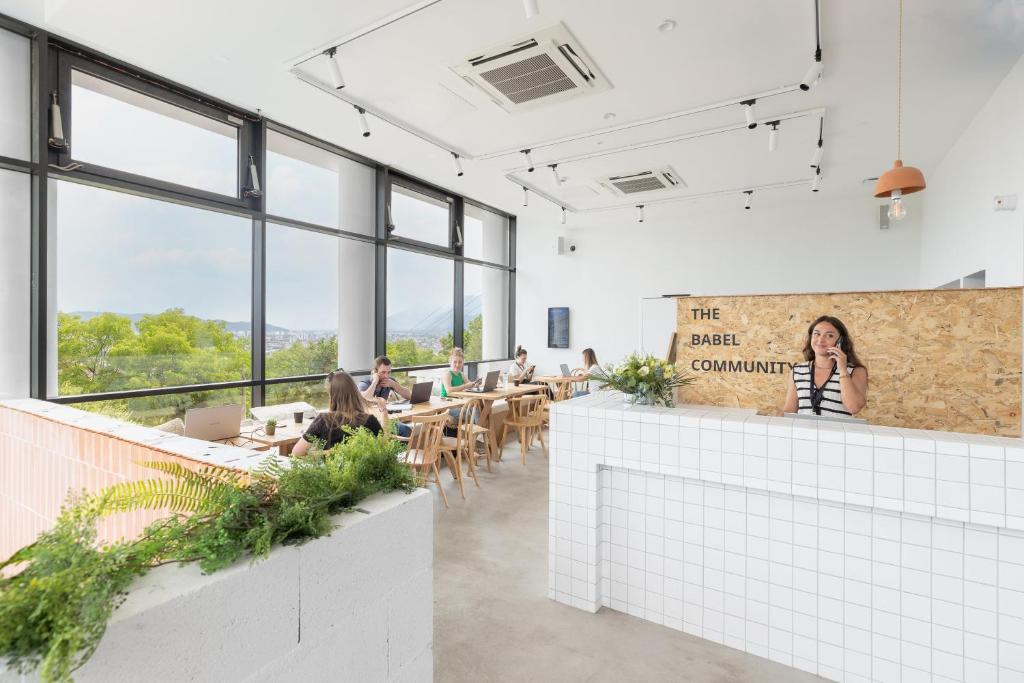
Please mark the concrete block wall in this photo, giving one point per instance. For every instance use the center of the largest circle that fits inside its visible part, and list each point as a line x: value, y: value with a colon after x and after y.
x: 353, y: 606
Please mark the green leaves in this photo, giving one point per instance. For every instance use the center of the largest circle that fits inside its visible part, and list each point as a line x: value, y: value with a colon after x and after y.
x: 645, y: 376
x: 55, y: 611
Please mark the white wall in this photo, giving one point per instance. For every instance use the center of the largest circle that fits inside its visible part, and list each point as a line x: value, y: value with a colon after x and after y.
x: 961, y: 233
x: 787, y: 243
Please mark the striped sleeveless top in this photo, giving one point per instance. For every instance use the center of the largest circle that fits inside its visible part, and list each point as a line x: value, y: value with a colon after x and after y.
x: 831, y: 398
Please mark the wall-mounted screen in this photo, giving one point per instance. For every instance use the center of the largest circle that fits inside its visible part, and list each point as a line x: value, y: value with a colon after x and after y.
x: 558, y: 328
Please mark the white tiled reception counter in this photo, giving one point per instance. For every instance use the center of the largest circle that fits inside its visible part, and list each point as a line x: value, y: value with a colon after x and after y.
x: 856, y: 552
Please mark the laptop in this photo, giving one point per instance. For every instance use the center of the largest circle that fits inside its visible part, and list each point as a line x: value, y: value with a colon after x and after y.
x: 565, y: 370
x: 420, y: 394
x: 490, y: 382
x: 214, y: 424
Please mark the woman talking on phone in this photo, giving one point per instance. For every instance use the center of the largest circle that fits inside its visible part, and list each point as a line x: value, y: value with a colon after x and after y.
x: 831, y: 380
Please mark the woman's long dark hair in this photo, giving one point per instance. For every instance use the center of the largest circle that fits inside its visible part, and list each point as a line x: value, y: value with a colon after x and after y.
x: 347, y: 405
x: 851, y: 354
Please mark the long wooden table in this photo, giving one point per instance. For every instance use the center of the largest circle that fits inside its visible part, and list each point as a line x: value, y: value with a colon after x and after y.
x: 489, y: 397
x: 288, y: 433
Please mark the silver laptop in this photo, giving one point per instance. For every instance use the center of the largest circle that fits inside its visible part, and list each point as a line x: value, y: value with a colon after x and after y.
x: 420, y: 394
x: 565, y: 370
x: 490, y: 382
x: 214, y: 424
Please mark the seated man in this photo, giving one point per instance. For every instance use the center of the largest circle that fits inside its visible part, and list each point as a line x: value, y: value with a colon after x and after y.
x: 380, y: 385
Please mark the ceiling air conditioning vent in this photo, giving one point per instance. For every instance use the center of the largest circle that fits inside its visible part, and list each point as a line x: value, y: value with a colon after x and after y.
x: 656, y: 180
x: 543, y: 68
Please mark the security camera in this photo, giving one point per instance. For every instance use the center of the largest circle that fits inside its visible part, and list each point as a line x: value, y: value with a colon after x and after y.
x: 572, y: 247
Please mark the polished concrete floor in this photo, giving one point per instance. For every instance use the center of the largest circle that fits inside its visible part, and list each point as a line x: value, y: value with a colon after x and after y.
x: 493, y: 620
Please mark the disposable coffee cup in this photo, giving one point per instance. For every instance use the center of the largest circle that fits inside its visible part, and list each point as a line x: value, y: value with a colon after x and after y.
x: 298, y: 417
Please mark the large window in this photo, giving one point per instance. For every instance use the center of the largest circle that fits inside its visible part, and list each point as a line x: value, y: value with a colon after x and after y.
x: 121, y: 129
x: 417, y: 216
x: 149, y: 293
x: 144, y: 274
x: 310, y: 184
x: 420, y: 318
x: 486, y: 235
x: 14, y: 283
x: 15, y: 91
x: 319, y: 303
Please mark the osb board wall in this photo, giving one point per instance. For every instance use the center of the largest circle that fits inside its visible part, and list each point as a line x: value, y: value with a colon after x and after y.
x: 947, y: 360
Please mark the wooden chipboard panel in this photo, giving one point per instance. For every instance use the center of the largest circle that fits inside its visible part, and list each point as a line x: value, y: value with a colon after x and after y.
x: 947, y: 360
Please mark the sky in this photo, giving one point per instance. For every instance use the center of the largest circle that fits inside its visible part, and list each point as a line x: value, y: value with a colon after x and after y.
x: 127, y: 254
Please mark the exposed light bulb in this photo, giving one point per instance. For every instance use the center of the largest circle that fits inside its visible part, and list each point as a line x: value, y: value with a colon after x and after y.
x: 897, y: 211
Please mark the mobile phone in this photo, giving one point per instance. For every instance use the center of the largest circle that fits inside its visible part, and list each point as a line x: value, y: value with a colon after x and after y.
x: 839, y: 344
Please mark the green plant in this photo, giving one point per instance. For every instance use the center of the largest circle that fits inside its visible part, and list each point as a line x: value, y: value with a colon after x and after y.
x: 54, y: 611
x: 645, y: 378
x: 270, y: 423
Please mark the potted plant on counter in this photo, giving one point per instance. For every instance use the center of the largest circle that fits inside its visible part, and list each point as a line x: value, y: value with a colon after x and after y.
x: 270, y: 426
x: 644, y: 380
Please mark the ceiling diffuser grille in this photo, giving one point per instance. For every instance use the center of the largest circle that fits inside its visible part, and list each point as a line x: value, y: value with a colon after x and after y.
x: 546, y: 67
x: 651, y: 180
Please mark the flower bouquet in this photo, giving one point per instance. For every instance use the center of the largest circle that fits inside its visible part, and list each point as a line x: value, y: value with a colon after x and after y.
x: 645, y: 380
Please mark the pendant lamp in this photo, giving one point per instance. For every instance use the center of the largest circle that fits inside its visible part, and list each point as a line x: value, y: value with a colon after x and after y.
x: 899, y: 180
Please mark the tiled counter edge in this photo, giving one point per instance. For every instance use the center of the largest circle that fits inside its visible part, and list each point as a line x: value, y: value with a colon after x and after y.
x: 925, y: 524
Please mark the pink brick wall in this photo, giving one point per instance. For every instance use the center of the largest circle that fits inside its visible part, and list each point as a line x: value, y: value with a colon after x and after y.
x: 42, y: 460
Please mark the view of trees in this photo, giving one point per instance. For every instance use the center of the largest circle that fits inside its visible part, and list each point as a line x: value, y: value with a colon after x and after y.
x: 108, y: 352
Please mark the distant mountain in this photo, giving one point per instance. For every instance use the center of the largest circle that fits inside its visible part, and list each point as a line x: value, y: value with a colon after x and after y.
x: 232, y: 326
x: 435, y: 320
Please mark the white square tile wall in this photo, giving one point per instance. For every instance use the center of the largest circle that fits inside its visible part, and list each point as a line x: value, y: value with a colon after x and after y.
x: 859, y: 554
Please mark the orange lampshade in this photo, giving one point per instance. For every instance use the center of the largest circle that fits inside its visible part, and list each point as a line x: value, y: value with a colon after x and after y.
x: 907, y: 179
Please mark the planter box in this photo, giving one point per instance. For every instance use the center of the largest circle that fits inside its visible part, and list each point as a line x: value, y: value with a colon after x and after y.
x: 356, y: 605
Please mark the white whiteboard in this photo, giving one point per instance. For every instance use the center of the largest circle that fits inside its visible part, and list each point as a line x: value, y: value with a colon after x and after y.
x: 657, y: 323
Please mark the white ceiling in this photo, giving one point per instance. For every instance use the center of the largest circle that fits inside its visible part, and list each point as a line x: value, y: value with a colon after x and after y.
x: 955, y: 54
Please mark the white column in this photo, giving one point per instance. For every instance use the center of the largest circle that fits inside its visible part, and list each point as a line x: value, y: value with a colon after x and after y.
x: 494, y: 301
x: 355, y: 268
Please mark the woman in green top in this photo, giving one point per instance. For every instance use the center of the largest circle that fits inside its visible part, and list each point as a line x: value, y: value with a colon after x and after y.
x: 454, y: 379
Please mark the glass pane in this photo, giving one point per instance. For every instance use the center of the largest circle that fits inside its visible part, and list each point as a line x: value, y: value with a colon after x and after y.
x: 419, y: 217
x: 155, y: 410
x: 15, y: 280
x: 420, y: 321
x: 15, y: 94
x: 124, y: 130
x: 485, y: 312
x: 148, y: 293
x: 486, y: 236
x: 314, y: 393
x: 312, y: 185
x: 313, y: 282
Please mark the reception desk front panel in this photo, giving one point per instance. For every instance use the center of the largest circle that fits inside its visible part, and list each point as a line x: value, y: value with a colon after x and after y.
x: 859, y: 553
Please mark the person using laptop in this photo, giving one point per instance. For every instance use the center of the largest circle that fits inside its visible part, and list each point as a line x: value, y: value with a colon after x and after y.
x: 454, y: 378
x: 831, y: 381
x: 380, y: 385
x: 519, y: 370
x: 347, y: 409
x: 591, y: 373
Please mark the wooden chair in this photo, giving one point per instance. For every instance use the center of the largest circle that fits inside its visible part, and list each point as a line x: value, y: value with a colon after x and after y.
x: 463, y: 444
x: 424, y: 449
x: 526, y: 416
x: 577, y: 385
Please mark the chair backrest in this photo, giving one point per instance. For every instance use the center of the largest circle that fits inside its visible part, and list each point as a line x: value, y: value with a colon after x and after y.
x: 576, y: 386
x: 564, y: 391
x: 427, y: 431
x: 525, y: 408
x: 468, y: 417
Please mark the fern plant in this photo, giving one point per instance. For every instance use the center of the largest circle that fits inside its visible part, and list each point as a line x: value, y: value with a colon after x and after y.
x: 202, y: 490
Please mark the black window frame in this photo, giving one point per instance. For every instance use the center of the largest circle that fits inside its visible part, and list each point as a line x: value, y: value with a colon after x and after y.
x: 54, y: 57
